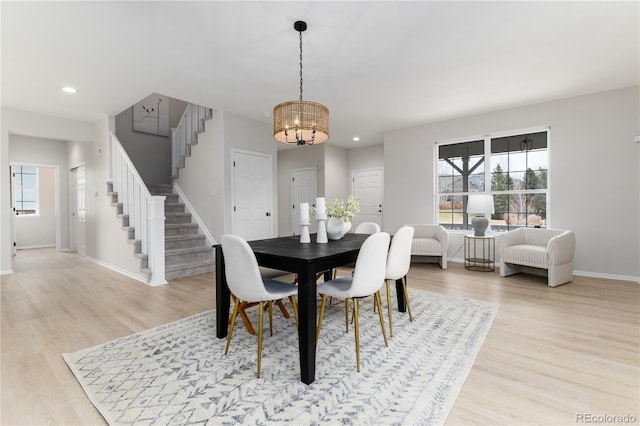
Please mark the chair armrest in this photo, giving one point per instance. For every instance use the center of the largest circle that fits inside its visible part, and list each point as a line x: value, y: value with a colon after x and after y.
x: 511, y: 238
x: 443, y: 237
x: 561, y: 248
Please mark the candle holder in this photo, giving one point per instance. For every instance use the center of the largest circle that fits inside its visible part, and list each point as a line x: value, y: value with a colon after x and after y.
x: 304, y: 233
x: 322, y: 229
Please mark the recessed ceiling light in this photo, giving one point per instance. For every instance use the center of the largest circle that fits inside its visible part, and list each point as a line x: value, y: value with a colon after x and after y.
x: 356, y: 139
x: 69, y: 89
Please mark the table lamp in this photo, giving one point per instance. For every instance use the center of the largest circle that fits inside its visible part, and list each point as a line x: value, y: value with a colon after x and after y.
x: 479, y: 205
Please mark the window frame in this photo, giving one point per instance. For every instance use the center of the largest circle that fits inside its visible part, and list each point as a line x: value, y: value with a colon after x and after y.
x: 488, y: 173
x: 16, y: 187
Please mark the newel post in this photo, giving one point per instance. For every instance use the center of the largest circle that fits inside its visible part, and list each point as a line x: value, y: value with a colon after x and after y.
x: 156, y: 240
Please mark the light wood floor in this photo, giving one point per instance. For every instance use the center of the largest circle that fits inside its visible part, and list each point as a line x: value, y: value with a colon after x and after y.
x: 551, y: 355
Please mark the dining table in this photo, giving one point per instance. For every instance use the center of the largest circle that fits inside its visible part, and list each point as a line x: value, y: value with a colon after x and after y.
x: 306, y: 260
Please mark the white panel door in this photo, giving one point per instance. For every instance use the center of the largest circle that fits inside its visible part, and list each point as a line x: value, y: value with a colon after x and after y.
x: 252, y: 195
x: 304, y: 189
x: 368, y: 186
x: 77, y: 207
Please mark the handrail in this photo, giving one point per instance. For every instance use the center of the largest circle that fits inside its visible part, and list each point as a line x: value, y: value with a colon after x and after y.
x: 184, y: 134
x: 145, y: 211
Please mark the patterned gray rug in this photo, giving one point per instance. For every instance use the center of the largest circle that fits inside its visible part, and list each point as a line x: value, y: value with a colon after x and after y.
x: 176, y: 374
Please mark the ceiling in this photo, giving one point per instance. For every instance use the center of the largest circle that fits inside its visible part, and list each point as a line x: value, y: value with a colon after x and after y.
x: 376, y: 65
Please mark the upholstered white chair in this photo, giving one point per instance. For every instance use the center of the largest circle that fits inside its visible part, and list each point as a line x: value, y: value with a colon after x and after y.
x: 430, y: 240
x: 247, y: 285
x: 367, y: 228
x: 367, y: 280
x: 398, y: 264
x: 546, y: 252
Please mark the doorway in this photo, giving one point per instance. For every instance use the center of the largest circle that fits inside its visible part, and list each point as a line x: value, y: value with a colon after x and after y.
x: 252, y: 192
x: 368, y: 186
x: 77, y: 209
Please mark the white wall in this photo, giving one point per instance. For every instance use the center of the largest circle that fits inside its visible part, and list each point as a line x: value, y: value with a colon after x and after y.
x: 367, y: 157
x: 336, y: 173
x: 203, y: 179
x: 594, y: 175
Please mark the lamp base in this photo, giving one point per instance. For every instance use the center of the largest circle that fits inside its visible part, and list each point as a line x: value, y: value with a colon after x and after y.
x: 321, y: 235
x: 479, y: 224
x: 304, y: 234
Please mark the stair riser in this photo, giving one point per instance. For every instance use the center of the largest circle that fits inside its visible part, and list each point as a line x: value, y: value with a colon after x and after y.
x: 172, y: 275
x: 183, y: 230
x: 171, y: 198
x: 175, y: 259
x: 177, y: 219
x: 174, y: 209
x: 188, y: 243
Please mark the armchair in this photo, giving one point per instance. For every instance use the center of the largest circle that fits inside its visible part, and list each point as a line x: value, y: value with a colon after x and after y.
x: 432, y: 241
x: 546, y: 252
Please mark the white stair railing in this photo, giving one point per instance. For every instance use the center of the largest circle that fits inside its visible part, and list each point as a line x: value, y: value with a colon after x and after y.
x: 145, y: 211
x: 184, y: 134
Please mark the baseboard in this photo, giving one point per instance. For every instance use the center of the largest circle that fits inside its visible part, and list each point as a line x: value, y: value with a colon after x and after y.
x: 607, y: 276
x: 35, y: 247
x: 7, y: 272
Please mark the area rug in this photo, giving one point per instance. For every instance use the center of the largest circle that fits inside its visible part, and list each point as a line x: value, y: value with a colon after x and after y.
x: 176, y: 374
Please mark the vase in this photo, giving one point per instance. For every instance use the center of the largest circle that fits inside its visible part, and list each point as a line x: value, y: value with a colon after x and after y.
x: 336, y: 228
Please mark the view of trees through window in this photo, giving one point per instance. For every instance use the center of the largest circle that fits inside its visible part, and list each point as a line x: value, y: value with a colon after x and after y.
x: 512, y: 168
x: 26, y: 189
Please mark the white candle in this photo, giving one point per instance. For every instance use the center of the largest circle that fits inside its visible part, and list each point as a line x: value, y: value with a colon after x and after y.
x: 320, y: 207
x: 304, y: 213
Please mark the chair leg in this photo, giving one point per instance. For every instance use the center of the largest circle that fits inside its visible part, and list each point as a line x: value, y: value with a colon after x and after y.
x: 324, y: 301
x: 270, y: 318
x: 292, y: 299
x: 284, y: 311
x: 260, y: 321
x: 389, y: 309
x: 356, y: 329
x: 243, y: 315
x: 379, y: 303
x: 406, y: 297
x: 346, y: 312
x: 236, y: 305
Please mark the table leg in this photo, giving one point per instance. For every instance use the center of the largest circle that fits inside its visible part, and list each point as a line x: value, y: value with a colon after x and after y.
x: 402, y: 306
x: 307, y: 324
x: 222, y: 296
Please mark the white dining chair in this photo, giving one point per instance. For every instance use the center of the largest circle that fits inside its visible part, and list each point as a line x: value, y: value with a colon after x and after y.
x: 367, y: 228
x: 367, y: 280
x: 398, y: 264
x: 247, y: 285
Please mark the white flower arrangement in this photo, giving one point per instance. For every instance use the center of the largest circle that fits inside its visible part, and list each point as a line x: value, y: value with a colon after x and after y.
x: 343, y: 210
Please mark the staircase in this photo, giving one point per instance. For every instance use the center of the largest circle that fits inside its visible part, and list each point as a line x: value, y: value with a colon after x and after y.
x: 186, y: 251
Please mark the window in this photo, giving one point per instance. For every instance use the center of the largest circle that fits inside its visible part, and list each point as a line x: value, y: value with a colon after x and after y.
x: 26, y: 190
x: 511, y: 168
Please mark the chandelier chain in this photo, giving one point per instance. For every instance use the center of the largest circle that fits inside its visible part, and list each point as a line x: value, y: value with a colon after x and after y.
x: 301, y: 65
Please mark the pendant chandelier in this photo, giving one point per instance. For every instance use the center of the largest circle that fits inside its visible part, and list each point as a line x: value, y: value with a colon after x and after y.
x: 301, y: 122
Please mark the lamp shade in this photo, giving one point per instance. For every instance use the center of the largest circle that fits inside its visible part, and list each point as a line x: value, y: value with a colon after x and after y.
x: 480, y: 203
x: 297, y: 121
